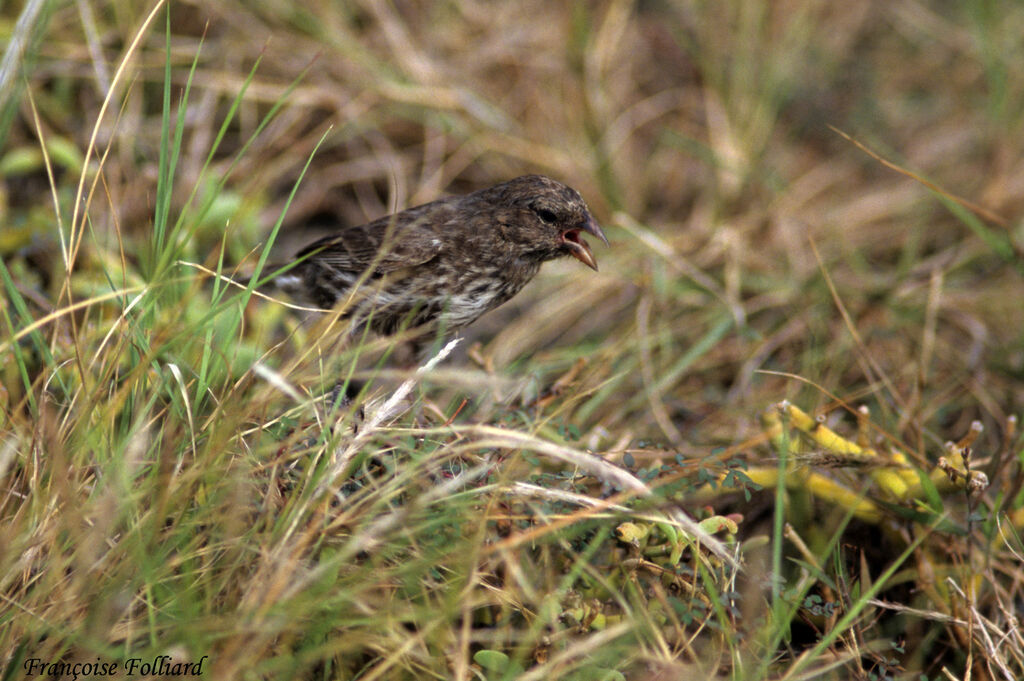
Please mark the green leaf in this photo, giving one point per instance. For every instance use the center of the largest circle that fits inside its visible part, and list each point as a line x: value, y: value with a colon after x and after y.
x: 492, y: 659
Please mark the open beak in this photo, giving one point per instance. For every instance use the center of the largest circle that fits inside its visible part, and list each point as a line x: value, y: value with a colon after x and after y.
x: 577, y: 247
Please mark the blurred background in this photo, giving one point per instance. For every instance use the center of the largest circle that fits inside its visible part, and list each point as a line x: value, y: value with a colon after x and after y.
x: 708, y: 138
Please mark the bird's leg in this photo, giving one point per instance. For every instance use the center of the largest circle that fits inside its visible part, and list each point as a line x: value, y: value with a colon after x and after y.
x: 343, y: 393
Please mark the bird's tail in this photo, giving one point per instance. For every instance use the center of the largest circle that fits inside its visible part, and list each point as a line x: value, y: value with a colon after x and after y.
x: 272, y: 280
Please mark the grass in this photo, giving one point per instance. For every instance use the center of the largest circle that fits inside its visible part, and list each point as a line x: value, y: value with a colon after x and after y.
x: 806, y: 202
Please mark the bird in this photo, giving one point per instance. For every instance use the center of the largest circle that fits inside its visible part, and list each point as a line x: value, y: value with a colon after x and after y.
x: 439, y: 266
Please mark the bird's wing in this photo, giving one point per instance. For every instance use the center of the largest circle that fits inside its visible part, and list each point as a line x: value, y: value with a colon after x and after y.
x: 394, y: 242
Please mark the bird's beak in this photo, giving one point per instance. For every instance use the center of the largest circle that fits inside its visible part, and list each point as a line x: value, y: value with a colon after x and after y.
x: 578, y: 248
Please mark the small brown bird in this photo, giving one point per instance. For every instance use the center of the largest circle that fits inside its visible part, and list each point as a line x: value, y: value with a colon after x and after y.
x: 443, y: 264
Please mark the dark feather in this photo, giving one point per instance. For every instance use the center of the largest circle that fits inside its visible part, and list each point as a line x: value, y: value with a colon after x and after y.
x: 446, y: 262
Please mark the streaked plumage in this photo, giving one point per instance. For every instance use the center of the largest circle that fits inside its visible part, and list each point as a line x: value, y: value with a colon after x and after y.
x: 447, y: 262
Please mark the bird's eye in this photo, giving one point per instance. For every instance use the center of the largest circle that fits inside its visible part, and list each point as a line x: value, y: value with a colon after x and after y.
x: 545, y: 215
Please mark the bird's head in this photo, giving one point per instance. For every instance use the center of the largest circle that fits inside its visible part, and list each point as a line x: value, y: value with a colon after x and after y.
x: 549, y: 217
